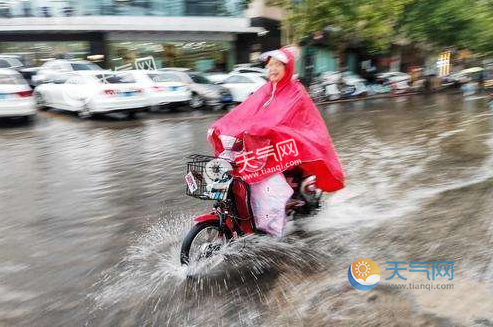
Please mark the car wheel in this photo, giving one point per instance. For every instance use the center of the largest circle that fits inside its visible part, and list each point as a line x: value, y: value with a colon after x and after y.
x: 39, y: 100
x: 218, y: 107
x: 85, y: 113
x: 27, y: 119
x: 196, y: 101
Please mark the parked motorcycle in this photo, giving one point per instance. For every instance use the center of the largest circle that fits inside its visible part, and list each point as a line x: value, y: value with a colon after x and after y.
x: 376, y: 88
x: 331, y: 90
x: 353, y: 89
x: 321, y: 90
x: 211, y: 178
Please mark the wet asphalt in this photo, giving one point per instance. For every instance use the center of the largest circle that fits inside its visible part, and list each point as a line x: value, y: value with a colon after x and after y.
x: 92, y: 213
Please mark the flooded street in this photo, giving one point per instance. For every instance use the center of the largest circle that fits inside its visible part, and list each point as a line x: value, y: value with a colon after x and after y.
x: 93, y: 213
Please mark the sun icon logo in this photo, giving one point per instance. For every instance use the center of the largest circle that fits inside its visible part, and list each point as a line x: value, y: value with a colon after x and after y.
x: 363, y: 269
x: 364, y: 274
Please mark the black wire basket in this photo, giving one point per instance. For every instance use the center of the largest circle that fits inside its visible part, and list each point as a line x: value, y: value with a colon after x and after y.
x: 208, y: 178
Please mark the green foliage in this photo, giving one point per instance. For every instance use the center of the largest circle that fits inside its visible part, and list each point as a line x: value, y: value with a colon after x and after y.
x: 378, y: 23
x: 368, y: 22
x: 459, y: 23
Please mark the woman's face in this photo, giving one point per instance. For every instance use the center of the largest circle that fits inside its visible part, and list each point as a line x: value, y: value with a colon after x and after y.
x: 275, y: 70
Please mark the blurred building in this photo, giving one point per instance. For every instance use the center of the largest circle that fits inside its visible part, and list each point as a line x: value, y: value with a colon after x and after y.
x: 200, y: 34
x: 320, y: 54
x: 268, y: 18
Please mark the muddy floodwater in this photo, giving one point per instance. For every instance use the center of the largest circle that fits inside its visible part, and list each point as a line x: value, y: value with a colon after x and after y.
x: 92, y: 213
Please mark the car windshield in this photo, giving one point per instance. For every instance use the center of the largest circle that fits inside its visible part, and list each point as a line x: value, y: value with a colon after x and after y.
x: 11, y: 79
x: 115, y: 78
x: 161, y: 77
x: 84, y: 66
x: 10, y: 62
x: 199, y: 79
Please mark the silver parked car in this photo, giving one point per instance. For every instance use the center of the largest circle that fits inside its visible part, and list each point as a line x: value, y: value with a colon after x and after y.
x: 50, y: 70
x: 204, y: 91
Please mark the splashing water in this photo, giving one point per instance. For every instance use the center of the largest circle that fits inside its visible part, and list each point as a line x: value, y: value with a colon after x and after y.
x: 150, y: 264
x: 150, y: 271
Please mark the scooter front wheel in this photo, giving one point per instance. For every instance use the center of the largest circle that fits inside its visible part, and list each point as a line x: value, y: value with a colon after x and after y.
x: 202, y: 241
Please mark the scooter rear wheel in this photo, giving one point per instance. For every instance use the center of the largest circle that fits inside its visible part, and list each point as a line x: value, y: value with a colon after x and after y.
x: 202, y: 241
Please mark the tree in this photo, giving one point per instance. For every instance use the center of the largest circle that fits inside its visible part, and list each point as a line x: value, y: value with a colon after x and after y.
x: 451, y: 23
x: 370, y: 23
x: 377, y: 24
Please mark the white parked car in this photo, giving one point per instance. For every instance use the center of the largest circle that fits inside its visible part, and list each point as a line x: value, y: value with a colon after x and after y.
x: 16, y: 96
x: 53, y: 68
x: 160, y: 89
x: 395, y: 76
x: 465, y: 75
x: 397, y: 80
x: 249, y: 70
x: 242, y: 86
x: 93, y: 92
x: 216, y: 77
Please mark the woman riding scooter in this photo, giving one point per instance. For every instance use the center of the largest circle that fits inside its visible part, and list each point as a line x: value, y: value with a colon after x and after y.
x: 278, y: 132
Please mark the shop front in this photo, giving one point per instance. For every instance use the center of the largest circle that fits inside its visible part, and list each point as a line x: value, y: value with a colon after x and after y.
x: 197, y: 55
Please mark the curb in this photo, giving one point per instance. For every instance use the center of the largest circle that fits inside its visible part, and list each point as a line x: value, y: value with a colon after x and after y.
x: 378, y: 96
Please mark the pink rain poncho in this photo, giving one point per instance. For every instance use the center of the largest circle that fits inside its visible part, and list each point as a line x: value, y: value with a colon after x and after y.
x: 276, y: 128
